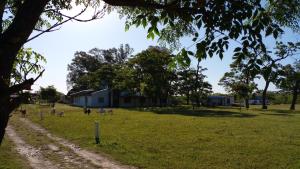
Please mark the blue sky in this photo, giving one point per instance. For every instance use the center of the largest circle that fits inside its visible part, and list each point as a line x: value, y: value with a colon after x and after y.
x: 59, y: 47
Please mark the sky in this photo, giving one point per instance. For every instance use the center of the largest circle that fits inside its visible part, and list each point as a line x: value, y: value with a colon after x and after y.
x: 59, y: 47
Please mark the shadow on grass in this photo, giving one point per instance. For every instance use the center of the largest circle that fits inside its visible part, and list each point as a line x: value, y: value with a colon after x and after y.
x: 277, y: 112
x: 202, y: 112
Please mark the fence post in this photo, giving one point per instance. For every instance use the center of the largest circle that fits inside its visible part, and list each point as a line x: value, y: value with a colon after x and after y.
x: 97, y: 135
x: 41, y: 115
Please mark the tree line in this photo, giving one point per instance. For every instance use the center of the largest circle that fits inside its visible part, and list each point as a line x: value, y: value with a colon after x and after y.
x: 147, y: 73
x: 240, y: 80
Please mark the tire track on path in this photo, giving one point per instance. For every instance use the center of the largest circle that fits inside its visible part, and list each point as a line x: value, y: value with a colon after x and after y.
x: 33, y: 155
x: 95, y: 159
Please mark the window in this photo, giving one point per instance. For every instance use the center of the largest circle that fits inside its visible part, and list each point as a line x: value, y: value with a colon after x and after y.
x: 101, y: 99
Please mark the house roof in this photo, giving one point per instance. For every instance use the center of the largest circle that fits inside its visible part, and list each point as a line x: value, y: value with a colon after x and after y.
x: 99, y: 91
x: 82, y: 92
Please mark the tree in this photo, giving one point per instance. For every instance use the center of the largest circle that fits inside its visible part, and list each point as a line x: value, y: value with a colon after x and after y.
x: 151, y: 67
x: 184, y: 82
x: 18, y: 19
x: 286, y: 13
x: 291, y: 81
x: 96, y: 68
x: 200, y: 88
x: 240, y: 80
x: 234, y: 84
x: 272, y: 69
x: 191, y: 83
x: 230, y: 19
x: 50, y: 94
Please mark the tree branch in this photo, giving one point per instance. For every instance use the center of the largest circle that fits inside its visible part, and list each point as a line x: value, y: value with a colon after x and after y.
x: 24, y: 85
x: 14, y: 37
x: 97, y: 15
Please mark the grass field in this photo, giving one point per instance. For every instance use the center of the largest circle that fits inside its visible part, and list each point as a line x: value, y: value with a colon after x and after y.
x: 9, y: 158
x: 184, y: 139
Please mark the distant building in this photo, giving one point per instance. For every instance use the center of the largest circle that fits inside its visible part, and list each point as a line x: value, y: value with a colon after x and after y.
x: 112, y: 98
x: 220, y: 100
x: 257, y: 100
x: 91, y: 98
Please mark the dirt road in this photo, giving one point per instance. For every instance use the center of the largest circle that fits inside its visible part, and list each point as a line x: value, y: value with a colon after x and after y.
x: 52, y: 152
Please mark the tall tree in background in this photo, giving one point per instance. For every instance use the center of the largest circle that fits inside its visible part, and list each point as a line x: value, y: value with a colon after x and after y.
x: 200, y: 87
x: 156, y: 78
x: 291, y: 81
x: 240, y: 79
x: 272, y: 68
x: 191, y: 83
x: 96, y: 68
x: 50, y: 94
x: 184, y: 82
x: 239, y: 83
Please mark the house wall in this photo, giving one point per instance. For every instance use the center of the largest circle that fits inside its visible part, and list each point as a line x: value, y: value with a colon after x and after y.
x: 222, y: 101
x: 100, y: 99
x: 79, y: 101
x: 257, y: 102
x: 137, y: 102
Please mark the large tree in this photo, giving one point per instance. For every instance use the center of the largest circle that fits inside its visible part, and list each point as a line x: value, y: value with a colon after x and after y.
x: 151, y: 67
x: 49, y: 94
x: 291, y: 81
x: 191, y: 83
x: 271, y: 69
x: 220, y: 21
x: 96, y: 68
x: 240, y: 79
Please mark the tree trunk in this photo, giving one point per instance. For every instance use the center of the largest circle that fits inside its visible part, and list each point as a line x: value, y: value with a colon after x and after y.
x: 11, y: 41
x: 247, y: 103
x: 4, y: 113
x: 188, y: 98
x: 247, y: 95
x: 295, y: 95
x: 264, y: 96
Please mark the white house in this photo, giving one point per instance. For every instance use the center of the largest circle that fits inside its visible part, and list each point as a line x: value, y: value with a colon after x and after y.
x: 91, y: 98
x: 257, y: 100
x: 112, y: 98
x: 220, y: 100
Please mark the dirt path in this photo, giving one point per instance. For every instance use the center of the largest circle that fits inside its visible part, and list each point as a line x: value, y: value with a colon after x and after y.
x: 95, y: 159
x: 35, y: 158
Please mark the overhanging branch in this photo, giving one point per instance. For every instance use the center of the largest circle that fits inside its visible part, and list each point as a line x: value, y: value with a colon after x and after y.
x: 57, y: 25
x: 25, y: 84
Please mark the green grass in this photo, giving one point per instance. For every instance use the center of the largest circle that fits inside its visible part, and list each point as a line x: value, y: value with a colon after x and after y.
x: 10, y: 159
x: 181, y: 138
